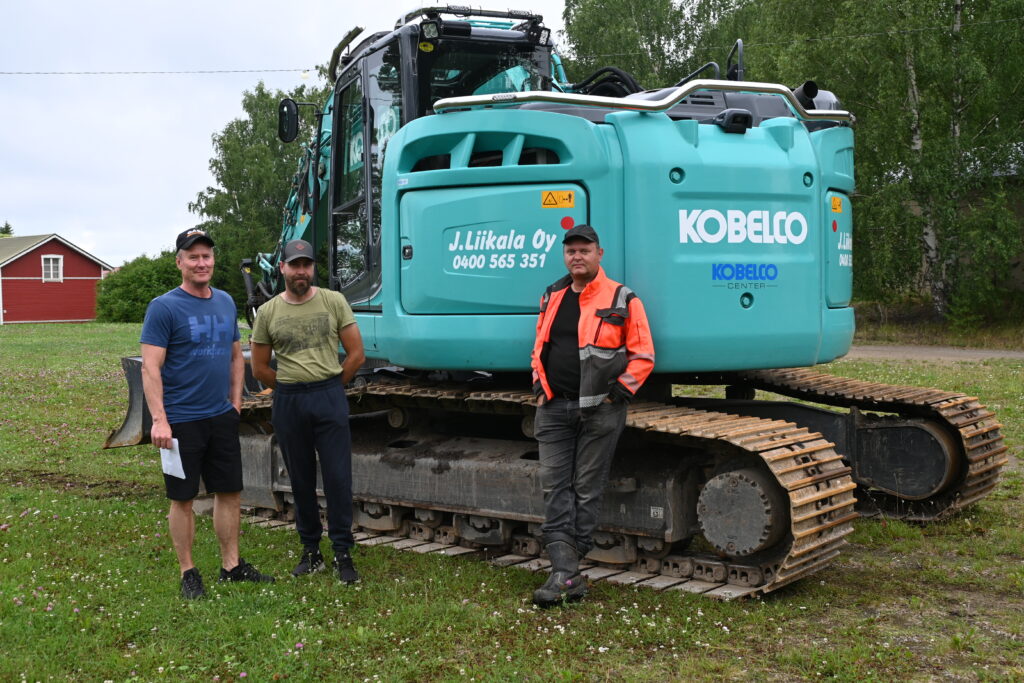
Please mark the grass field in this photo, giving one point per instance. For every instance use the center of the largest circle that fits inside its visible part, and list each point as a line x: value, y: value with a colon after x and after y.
x: 88, y: 580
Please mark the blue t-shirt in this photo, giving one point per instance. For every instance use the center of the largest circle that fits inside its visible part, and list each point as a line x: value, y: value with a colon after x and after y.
x: 198, y: 335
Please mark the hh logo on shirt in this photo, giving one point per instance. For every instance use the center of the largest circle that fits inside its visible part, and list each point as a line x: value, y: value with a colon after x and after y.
x: 209, y: 330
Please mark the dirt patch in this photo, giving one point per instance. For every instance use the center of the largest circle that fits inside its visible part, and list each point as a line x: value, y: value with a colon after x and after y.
x: 98, y: 488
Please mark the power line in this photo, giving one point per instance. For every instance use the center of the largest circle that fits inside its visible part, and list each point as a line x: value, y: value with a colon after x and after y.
x: 147, y: 73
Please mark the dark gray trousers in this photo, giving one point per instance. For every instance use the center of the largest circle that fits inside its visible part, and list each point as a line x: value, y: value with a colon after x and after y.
x: 575, y: 457
x: 310, y: 420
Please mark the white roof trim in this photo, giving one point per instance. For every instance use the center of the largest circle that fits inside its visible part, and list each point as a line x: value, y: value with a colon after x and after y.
x: 63, y: 241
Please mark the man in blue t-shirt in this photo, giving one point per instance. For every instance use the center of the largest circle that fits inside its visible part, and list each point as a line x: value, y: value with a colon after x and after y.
x: 192, y: 374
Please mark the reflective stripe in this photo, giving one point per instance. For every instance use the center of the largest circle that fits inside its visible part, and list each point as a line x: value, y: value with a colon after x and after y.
x: 622, y: 299
x: 629, y: 381
x: 598, y: 352
x: 640, y: 356
x: 591, y: 401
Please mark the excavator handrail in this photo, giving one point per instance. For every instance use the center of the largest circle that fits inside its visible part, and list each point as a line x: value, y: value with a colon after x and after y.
x: 674, y: 97
x: 467, y: 11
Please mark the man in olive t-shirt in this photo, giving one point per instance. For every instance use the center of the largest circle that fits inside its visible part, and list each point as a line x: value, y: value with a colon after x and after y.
x: 302, y: 326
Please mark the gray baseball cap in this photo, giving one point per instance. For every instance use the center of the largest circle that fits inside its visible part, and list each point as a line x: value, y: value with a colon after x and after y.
x: 297, y: 249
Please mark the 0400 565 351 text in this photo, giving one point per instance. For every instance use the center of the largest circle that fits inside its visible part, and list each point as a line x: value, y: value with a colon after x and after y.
x: 505, y: 261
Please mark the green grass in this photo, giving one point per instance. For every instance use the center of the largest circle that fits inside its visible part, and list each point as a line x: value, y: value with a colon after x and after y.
x: 88, y: 580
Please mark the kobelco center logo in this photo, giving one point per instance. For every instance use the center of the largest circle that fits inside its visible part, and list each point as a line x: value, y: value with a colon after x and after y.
x: 759, y: 227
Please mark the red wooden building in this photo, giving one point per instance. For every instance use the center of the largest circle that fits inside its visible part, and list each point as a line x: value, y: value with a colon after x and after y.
x: 45, y: 278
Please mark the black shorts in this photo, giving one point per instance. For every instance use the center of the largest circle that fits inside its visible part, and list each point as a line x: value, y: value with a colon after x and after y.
x: 209, y: 448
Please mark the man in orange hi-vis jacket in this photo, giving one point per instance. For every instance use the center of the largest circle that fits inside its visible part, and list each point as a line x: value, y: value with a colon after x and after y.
x: 592, y: 353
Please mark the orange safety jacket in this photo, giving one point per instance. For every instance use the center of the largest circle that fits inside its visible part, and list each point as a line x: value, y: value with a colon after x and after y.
x: 616, y: 349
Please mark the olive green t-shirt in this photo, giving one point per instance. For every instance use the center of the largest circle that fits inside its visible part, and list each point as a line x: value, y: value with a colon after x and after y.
x: 304, y: 336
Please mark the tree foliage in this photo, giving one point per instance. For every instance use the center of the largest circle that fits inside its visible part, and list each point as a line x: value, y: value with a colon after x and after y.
x: 6, y: 230
x: 936, y: 88
x: 643, y: 38
x: 123, y: 295
x: 253, y: 171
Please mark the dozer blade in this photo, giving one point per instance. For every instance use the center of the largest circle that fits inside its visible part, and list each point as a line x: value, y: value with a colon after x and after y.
x: 137, y: 422
x: 135, y: 429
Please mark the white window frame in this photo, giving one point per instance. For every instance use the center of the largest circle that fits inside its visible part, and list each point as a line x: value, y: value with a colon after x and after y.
x: 60, y: 267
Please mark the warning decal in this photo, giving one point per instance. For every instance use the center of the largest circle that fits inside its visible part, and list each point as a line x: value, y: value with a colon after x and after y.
x: 837, y: 204
x: 560, y: 199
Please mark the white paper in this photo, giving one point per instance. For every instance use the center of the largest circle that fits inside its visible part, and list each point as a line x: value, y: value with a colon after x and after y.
x: 171, y: 460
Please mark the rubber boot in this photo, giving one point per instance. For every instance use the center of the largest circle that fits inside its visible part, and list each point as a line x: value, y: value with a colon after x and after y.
x: 565, y: 583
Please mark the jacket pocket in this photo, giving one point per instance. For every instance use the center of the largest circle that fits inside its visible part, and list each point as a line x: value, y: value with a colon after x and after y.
x: 610, y: 327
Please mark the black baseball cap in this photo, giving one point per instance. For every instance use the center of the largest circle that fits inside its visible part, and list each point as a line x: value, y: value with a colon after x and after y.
x: 191, y: 236
x: 583, y: 232
x: 297, y: 249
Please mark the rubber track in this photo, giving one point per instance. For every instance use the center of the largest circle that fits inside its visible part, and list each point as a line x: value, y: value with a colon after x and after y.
x: 805, y: 465
x: 982, y: 454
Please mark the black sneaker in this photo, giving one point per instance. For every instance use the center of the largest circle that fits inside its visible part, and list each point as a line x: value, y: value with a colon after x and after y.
x: 312, y: 561
x: 192, y: 585
x: 245, y: 572
x: 343, y: 567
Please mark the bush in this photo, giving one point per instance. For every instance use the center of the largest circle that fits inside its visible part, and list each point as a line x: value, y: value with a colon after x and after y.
x: 123, y: 295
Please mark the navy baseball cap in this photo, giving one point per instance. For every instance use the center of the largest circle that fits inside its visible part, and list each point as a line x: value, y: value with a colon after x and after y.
x: 191, y: 236
x: 583, y: 232
x: 296, y: 249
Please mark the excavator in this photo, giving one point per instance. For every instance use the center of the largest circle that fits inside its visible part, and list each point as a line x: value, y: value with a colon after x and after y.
x: 450, y: 158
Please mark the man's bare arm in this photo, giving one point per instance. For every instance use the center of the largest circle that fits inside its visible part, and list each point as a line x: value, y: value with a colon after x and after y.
x: 237, y: 376
x: 352, y: 342
x: 260, y: 358
x: 153, y: 387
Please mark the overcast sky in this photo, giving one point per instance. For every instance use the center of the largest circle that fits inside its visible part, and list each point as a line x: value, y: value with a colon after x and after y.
x: 110, y: 162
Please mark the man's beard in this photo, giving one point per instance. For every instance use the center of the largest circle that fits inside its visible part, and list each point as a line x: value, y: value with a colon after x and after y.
x: 297, y: 286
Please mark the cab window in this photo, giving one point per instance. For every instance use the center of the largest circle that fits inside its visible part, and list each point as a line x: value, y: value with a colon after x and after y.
x: 349, y: 260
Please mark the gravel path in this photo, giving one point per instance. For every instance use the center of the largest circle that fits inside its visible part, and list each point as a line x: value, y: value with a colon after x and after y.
x: 946, y: 354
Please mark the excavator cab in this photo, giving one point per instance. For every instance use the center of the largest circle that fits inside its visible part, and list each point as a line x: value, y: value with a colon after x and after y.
x: 383, y: 83
x: 396, y: 81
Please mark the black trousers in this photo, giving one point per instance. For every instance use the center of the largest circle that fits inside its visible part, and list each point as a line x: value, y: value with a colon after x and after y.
x: 576, y: 454
x: 310, y: 420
